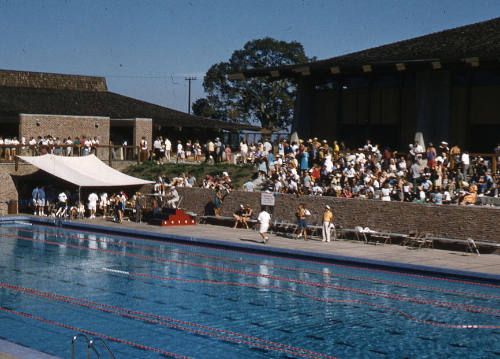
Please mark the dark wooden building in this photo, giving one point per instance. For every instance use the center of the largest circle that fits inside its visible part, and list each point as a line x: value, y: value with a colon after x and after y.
x: 445, y: 85
x: 70, y: 102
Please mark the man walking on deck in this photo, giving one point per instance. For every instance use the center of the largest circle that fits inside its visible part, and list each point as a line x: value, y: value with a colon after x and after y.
x: 264, y: 219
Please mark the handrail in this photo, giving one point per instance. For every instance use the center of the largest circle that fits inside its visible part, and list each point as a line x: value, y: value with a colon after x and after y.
x: 105, y: 346
x: 89, y: 345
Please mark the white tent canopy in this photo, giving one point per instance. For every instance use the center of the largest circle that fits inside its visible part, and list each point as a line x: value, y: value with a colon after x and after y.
x: 86, y: 171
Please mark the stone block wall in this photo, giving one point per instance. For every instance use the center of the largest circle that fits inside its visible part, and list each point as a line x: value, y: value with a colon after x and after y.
x: 12, y: 78
x: 63, y: 126
x: 479, y: 223
x: 8, y: 190
x: 143, y: 127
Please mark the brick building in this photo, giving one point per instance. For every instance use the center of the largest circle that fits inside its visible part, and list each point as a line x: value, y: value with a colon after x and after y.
x: 37, y: 104
x: 445, y: 85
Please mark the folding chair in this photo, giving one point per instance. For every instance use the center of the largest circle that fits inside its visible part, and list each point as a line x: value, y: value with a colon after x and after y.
x: 471, y: 246
x: 360, y: 234
x: 412, y: 236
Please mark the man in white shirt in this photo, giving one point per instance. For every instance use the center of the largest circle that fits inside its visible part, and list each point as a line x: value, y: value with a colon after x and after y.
x: 93, y: 198
x: 168, y: 148
x: 103, y: 204
x: 465, y: 164
x: 264, y: 219
x: 157, y: 148
x: 173, y: 196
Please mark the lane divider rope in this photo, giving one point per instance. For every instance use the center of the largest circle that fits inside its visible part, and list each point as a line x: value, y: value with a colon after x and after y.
x: 126, y: 313
x: 294, y: 259
x: 297, y: 281
x: 156, y: 249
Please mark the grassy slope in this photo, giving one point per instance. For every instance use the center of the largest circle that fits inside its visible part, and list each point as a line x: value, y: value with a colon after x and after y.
x: 151, y: 171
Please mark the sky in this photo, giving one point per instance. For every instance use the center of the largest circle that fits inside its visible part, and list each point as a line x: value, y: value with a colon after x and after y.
x: 147, y: 48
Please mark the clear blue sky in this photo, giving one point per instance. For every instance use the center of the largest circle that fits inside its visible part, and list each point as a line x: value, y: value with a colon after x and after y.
x: 146, y: 48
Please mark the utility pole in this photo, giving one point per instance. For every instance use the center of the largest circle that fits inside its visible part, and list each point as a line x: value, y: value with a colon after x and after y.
x: 189, y: 79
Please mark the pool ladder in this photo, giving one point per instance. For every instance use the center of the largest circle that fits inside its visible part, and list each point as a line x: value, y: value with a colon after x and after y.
x: 90, y: 345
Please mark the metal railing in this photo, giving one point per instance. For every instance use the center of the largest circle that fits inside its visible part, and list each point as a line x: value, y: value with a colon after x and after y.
x: 90, y: 345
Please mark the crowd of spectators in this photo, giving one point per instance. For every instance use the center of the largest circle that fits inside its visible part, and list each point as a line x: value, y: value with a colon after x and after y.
x: 434, y: 174
x: 47, y: 144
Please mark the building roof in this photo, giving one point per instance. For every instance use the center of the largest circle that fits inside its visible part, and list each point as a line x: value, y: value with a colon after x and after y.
x: 57, y: 94
x: 479, y: 41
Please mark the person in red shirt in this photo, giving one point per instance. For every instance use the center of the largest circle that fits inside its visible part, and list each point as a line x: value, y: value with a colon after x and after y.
x: 315, y: 173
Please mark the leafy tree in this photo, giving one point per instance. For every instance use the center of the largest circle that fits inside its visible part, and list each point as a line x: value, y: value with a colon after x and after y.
x: 265, y: 101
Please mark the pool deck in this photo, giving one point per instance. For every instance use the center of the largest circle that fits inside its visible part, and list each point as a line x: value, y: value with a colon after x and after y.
x: 447, y: 259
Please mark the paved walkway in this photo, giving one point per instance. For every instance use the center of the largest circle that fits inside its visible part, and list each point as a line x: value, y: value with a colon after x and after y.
x: 486, y: 263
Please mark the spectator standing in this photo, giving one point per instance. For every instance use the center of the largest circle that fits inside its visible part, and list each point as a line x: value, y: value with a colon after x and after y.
x: 93, y: 198
x: 168, y: 148
x: 302, y: 214
x: 227, y: 150
x: 144, y: 156
x: 103, y: 204
x: 157, y: 146
x: 41, y: 201
x: 327, y: 224
x: 243, y: 151
x: 465, y: 164
x: 179, y: 151
x: 34, y: 196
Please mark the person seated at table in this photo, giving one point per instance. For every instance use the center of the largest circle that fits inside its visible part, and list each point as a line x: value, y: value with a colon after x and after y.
x: 173, y: 197
x: 239, y: 216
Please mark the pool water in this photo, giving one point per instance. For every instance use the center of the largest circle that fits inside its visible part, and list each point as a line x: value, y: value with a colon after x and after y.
x: 154, y: 299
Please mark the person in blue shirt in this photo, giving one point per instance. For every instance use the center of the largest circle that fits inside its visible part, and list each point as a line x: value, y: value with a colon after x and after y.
x: 438, y: 197
x: 34, y: 196
x: 41, y: 201
x: 304, y: 161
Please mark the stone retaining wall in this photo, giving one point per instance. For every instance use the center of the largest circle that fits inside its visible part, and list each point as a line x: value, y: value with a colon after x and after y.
x: 449, y: 221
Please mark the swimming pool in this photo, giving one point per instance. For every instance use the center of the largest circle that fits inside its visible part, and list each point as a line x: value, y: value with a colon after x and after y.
x: 151, y: 299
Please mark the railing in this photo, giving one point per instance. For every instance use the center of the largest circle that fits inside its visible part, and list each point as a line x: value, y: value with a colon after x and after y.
x: 90, y: 345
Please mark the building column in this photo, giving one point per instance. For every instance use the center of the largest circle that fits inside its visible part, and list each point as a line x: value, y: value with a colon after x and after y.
x: 433, y: 92
x: 303, y: 111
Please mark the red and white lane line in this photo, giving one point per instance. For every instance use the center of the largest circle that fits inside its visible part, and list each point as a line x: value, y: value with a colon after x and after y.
x: 146, y: 317
x: 387, y: 295
x: 287, y: 268
x: 279, y: 257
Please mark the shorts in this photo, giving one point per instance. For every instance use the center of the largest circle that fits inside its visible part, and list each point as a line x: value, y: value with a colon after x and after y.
x: 263, y: 227
x: 41, y: 202
x: 92, y: 206
x: 302, y: 223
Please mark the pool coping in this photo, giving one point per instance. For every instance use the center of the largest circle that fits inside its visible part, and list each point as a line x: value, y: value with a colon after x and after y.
x: 284, y: 252
x: 15, y: 351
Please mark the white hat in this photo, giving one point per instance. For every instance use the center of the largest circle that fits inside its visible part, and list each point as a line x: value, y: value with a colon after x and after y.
x: 327, y: 206
x: 225, y: 173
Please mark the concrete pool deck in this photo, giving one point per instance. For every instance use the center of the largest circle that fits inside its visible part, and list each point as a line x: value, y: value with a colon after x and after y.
x: 447, y: 259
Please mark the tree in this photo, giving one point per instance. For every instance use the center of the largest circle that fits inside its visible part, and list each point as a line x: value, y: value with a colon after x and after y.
x: 265, y: 101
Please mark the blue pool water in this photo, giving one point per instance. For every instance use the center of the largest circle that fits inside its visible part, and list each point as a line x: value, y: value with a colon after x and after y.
x: 199, y: 302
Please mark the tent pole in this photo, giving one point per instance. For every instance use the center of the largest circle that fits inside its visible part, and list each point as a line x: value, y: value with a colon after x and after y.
x: 79, y: 194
